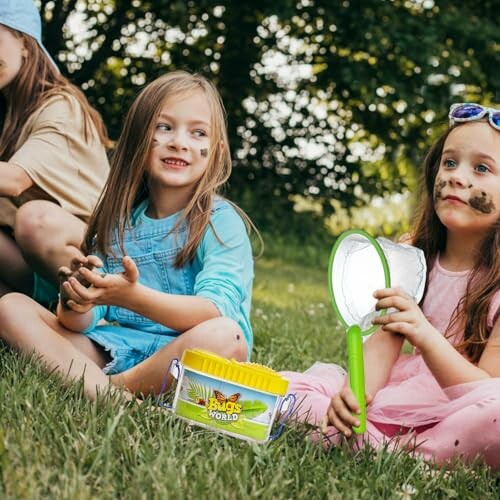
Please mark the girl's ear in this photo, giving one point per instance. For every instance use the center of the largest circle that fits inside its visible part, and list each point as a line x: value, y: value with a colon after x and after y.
x: 24, y: 52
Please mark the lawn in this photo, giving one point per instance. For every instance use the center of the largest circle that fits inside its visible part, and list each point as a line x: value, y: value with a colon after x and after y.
x: 55, y: 444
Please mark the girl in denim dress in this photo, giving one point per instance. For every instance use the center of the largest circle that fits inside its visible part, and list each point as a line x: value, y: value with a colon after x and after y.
x: 169, y: 263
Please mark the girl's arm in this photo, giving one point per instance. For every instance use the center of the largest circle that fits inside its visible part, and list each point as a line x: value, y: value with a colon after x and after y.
x: 75, y: 321
x: 447, y: 365
x: 14, y: 180
x: 380, y: 351
x: 76, y: 317
x: 179, y: 312
x: 220, y: 287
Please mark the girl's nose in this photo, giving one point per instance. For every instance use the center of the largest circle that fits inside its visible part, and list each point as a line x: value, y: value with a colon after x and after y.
x: 458, y: 178
x: 177, y: 141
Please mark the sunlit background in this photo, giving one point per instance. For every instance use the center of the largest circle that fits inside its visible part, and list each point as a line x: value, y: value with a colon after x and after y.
x: 331, y: 104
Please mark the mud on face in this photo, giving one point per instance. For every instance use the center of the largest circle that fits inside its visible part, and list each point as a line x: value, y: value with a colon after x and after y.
x: 481, y: 201
x: 439, y: 185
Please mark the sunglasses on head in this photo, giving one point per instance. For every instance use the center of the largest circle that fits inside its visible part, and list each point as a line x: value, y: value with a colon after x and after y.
x: 466, y: 112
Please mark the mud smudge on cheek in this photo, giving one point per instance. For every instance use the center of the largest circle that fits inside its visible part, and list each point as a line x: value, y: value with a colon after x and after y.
x: 482, y: 202
x: 204, y: 152
x: 439, y: 185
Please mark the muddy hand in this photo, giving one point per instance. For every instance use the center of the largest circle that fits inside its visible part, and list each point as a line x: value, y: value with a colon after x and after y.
x: 65, y: 273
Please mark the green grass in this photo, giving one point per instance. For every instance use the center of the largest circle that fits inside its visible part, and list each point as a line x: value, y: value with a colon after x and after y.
x: 55, y: 444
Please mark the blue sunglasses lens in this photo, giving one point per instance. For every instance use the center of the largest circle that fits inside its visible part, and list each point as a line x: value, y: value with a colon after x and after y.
x: 495, y: 118
x: 467, y: 111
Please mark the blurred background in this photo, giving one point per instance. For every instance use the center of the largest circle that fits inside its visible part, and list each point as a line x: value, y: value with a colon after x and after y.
x: 331, y: 104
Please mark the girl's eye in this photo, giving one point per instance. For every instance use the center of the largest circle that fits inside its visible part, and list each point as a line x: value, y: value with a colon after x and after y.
x: 449, y: 163
x: 200, y: 133
x: 482, y: 168
x: 163, y: 126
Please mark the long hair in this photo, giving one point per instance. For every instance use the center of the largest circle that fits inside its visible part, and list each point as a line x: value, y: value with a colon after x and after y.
x: 483, y: 281
x: 127, y: 184
x: 36, y: 82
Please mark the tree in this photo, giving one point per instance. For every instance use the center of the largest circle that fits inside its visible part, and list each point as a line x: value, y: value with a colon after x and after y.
x: 367, y: 82
x: 383, y: 76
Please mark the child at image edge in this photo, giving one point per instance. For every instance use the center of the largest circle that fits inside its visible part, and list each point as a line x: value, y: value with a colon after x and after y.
x: 169, y: 262
x: 444, y: 398
x: 53, y: 163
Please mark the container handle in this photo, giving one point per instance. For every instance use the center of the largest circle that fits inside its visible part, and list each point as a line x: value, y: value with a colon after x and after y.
x: 174, y: 369
x: 288, y: 404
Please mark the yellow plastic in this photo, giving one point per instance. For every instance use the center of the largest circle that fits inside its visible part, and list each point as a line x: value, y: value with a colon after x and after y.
x: 248, y: 374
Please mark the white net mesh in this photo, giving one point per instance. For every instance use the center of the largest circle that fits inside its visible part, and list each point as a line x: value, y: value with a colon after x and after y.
x: 357, y: 271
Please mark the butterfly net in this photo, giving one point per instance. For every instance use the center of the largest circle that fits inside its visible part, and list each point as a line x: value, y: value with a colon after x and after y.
x: 358, y: 270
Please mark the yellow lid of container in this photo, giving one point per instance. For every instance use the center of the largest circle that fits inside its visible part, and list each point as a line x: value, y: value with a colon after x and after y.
x: 249, y: 374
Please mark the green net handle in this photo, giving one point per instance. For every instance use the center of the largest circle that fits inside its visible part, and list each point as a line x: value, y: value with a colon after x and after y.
x: 357, y: 373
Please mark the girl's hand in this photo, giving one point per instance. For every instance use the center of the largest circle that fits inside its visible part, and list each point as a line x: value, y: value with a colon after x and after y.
x: 342, y: 411
x: 107, y: 289
x: 65, y: 273
x: 409, y: 320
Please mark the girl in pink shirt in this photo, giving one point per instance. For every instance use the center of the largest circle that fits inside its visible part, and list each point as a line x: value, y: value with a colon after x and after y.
x: 443, y: 401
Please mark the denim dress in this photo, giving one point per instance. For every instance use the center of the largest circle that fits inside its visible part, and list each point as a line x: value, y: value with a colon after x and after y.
x: 220, y: 272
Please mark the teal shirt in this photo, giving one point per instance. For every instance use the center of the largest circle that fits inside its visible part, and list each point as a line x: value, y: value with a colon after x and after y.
x: 222, y: 271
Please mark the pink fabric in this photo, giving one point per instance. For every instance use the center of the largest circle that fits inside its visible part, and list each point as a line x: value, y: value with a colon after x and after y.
x: 445, y: 289
x: 463, y: 420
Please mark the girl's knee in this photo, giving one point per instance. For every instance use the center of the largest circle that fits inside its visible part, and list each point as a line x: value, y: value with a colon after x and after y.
x: 222, y: 336
x: 33, y: 220
x: 233, y: 338
x: 13, y: 308
x: 13, y: 301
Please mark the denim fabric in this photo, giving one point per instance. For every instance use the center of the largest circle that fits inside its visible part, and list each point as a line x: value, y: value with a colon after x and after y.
x: 221, y: 272
x: 127, y: 347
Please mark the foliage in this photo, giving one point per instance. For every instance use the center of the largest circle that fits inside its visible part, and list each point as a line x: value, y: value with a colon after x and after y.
x: 327, y: 100
x: 197, y: 392
x: 252, y: 409
x: 385, y: 83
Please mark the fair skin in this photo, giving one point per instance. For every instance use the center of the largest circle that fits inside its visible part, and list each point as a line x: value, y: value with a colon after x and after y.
x: 12, y: 52
x: 467, y: 201
x: 176, y: 164
x: 178, y: 158
x: 45, y: 236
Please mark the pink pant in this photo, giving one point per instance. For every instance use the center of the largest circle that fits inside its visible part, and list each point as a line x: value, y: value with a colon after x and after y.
x: 468, y: 433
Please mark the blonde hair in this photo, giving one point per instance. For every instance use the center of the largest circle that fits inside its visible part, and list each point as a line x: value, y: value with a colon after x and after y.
x: 127, y: 185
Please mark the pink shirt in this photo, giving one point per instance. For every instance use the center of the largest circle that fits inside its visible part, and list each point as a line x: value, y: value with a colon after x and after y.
x: 444, y: 291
